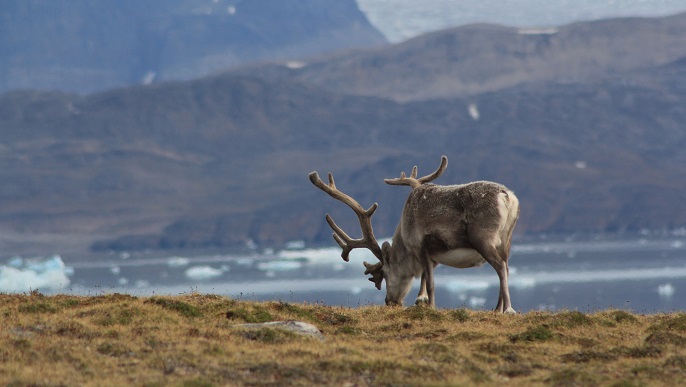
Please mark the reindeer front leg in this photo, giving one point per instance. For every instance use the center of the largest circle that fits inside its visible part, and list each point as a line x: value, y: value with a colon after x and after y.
x: 422, y: 297
x: 428, y: 279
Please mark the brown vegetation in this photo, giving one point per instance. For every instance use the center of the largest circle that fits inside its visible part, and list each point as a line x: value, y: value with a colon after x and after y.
x: 193, y: 340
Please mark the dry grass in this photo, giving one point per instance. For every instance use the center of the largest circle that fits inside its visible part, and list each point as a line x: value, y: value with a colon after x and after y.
x: 192, y: 341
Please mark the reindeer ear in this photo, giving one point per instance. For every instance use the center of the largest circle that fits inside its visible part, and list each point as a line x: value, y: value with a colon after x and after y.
x: 385, y: 252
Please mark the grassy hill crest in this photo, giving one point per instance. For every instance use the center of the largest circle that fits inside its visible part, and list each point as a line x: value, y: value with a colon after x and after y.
x: 195, y: 340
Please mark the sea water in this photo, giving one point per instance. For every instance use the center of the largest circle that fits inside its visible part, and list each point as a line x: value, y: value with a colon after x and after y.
x: 645, y: 274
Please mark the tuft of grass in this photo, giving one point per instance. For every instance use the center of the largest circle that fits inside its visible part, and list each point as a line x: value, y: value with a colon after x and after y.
x: 295, y: 311
x: 638, y: 351
x: 181, y: 307
x: 588, y: 356
x: 332, y: 317
x: 116, y: 316
x: 571, y: 319
x: 256, y: 314
x: 113, y: 349
x: 434, y: 352
x: 460, y: 315
x: 348, y: 330
x: 536, y: 333
x: 269, y: 336
x: 73, y: 329
x: 675, y: 324
x: 419, y: 312
x: 38, y: 307
x: 515, y: 370
x: 622, y: 317
x: 677, y: 362
x: 660, y: 338
x: 571, y: 377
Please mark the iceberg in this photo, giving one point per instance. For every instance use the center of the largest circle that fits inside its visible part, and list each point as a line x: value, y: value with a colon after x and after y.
x: 24, y: 275
x: 199, y: 273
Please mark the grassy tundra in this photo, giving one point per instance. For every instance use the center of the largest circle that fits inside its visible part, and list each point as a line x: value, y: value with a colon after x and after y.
x: 193, y: 340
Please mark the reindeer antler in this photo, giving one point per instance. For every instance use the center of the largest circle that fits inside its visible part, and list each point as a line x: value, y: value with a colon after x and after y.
x: 364, y: 216
x: 413, y: 182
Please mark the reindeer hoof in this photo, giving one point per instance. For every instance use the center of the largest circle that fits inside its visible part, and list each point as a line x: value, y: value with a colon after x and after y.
x: 423, y: 300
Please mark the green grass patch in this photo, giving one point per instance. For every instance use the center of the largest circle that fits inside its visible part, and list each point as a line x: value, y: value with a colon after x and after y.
x: 460, y: 315
x: 676, y: 324
x: 537, y: 333
x: 570, y: 319
x: 38, y: 307
x: 120, y: 315
x: 178, y: 306
x: 571, y: 377
x: 269, y: 336
x: 256, y: 314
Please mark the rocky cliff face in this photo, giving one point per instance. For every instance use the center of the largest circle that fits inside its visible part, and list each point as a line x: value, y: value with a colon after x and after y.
x: 81, y: 46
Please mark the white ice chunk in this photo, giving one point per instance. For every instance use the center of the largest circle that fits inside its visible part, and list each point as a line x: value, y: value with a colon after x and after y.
x: 26, y: 275
x: 199, y: 273
x: 477, y: 302
x: 666, y: 290
x: 178, y: 262
x: 279, y: 265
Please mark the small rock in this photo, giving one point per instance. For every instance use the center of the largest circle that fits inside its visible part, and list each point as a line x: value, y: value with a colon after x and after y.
x: 297, y: 327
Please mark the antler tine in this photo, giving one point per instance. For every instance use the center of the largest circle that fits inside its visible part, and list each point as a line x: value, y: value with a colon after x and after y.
x: 414, y: 172
x: 364, y: 216
x: 413, y: 182
x: 437, y: 173
x: 376, y: 272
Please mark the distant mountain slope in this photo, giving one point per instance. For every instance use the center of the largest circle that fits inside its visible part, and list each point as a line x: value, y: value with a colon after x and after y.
x: 84, y: 46
x: 223, y: 160
x: 480, y: 58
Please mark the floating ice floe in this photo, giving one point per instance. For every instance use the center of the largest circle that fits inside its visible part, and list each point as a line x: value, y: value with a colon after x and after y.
x: 178, y: 262
x: 329, y: 255
x: 477, y: 302
x: 279, y: 265
x: 666, y: 290
x: 295, y: 245
x: 20, y: 275
x: 459, y: 286
x: 199, y: 273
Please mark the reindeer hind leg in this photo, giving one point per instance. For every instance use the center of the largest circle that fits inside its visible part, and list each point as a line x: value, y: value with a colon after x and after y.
x: 488, y: 250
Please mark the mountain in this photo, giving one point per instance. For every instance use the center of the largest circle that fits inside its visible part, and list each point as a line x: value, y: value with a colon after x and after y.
x: 222, y: 161
x: 82, y: 46
x: 480, y: 58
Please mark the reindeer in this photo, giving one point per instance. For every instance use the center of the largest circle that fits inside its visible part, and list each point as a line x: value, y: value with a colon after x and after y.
x: 460, y: 226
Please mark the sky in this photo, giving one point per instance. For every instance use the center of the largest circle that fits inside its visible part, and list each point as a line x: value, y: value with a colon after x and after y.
x: 403, y: 19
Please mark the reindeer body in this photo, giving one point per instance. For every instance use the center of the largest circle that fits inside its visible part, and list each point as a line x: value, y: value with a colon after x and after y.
x: 460, y: 226
x: 454, y: 225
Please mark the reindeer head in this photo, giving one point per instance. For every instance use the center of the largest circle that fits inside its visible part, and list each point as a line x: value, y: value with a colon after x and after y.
x: 398, y: 280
